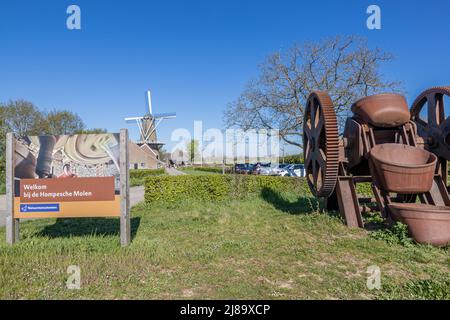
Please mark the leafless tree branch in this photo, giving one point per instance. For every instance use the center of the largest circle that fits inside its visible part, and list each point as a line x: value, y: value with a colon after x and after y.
x: 345, y: 67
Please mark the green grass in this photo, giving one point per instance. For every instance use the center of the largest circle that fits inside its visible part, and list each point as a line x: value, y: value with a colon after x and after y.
x: 269, y: 247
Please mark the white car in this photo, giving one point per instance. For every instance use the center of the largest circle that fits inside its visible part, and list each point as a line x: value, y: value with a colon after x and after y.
x: 281, y: 170
x: 266, y: 171
x: 298, y: 169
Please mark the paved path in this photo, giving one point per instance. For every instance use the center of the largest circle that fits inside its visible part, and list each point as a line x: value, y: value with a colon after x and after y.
x: 136, y: 196
x: 174, y: 172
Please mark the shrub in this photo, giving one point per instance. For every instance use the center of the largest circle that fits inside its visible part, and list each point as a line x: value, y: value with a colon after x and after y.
x: 138, y: 174
x: 137, y: 177
x: 213, y: 169
x: 292, y: 159
x: 172, y: 189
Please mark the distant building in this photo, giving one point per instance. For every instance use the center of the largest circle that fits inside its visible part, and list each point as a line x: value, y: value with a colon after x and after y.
x: 179, y: 156
x: 143, y: 157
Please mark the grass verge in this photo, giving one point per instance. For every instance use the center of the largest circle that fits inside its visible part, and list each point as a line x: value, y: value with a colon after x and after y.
x: 260, y: 248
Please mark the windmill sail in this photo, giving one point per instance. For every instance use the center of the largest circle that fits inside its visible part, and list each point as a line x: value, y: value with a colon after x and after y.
x: 149, y: 122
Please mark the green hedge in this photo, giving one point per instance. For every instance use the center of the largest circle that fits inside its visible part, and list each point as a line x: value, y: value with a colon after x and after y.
x: 146, y: 172
x: 171, y: 189
x: 292, y: 159
x: 210, y: 169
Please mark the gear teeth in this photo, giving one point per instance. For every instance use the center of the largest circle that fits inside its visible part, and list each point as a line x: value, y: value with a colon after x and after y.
x: 329, y: 177
x: 417, y: 104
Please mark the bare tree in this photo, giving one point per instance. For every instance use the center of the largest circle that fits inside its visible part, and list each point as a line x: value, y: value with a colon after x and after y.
x: 345, y: 67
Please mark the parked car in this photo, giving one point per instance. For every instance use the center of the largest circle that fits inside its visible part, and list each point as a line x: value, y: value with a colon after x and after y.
x: 243, y: 168
x: 298, y: 169
x: 255, y: 168
x: 261, y: 168
x: 268, y: 169
x: 281, y: 170
x: 277, y: 170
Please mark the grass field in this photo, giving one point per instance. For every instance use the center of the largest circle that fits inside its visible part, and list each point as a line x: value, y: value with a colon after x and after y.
x: 273, y: 246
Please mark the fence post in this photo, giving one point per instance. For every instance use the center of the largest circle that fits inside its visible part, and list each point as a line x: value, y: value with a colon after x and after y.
x: 12, y: 225
x: 125, y: 221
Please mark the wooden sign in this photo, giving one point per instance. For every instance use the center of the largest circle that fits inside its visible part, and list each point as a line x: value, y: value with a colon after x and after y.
x: 68, y: 177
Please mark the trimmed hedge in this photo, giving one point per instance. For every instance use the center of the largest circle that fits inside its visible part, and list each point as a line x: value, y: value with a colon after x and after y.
x: 171, y: 189
x: 292, y: 159
x: 209, y: 169
x: 138, y: 174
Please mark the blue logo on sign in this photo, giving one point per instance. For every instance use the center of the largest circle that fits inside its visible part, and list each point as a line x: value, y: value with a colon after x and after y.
x: 46, y: 207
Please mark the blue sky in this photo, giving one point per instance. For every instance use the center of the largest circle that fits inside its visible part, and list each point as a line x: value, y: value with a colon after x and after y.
x: 195, y: 56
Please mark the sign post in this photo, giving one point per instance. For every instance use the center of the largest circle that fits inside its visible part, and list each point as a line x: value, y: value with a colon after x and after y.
x: 12, y: 224
x: 125, y: 223
x: 67, y: 176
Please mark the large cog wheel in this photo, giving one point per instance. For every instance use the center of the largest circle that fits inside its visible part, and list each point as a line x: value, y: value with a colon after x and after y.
x: 321, y: 144
x: 433, y: 126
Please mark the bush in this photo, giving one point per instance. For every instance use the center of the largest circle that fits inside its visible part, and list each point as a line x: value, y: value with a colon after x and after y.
x: 171, y: 189
x: 137, y: 177
x: 211, y: 169
x: 292, y: 159
x: 138, y: 174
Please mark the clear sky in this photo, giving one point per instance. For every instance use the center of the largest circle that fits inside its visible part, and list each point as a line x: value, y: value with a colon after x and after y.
x: 195, y: 56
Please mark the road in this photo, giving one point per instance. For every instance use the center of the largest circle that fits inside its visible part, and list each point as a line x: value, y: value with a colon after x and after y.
x: 136, y: 196
x: 174, y: 172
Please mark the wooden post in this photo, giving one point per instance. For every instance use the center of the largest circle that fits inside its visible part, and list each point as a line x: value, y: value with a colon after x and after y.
x: 125, y: 221
x: 12, y: 225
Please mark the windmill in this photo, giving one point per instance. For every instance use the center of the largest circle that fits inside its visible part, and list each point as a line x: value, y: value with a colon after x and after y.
x: 147, y: 125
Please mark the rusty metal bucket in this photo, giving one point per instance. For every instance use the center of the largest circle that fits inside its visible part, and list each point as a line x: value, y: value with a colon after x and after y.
x: 403, y: 169
x: 428, y: 224
x: 386, y: 110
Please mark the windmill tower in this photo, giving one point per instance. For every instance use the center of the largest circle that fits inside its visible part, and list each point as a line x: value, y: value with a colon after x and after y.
x: 148, y: 123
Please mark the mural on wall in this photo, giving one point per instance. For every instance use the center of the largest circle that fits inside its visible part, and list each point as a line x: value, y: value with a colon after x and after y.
x: 58, y: 157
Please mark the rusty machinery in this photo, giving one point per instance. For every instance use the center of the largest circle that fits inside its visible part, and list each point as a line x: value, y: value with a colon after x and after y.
x: 336, y: 163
